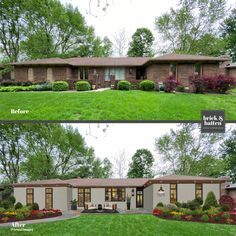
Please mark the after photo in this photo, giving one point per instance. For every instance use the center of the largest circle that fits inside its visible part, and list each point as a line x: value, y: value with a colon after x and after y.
x: 128, y: 177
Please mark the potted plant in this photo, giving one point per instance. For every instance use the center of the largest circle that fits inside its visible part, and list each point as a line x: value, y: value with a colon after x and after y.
x: 74, y: 204
x: 128, y: 202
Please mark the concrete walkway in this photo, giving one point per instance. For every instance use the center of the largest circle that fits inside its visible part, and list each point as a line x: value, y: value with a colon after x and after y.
x: 65, y: 216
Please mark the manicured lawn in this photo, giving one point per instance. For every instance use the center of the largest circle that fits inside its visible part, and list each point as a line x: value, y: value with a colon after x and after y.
x: 113, y: 105
x: 100, y: 225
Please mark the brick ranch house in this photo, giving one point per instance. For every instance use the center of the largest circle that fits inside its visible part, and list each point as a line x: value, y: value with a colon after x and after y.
x: 144, y: 193
x: 105, y: 72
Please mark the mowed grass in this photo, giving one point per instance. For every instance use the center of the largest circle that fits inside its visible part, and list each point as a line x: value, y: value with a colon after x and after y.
x: 113, y: 105
x: 124, y: 225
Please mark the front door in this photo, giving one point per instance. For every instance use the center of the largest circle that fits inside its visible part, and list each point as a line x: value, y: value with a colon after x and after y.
x: 139, y: 198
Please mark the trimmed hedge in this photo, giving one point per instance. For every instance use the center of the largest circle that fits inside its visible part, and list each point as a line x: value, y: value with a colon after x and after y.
x: 18, y: 206
x: 124, y: 85
x: 83, y: 86
x: 17, y: 88
x: 60, y: 86
x: 147, y: 85
x: 43, y: 87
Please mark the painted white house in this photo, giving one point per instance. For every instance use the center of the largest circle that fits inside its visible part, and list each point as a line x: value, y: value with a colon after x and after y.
x: 144, y: 193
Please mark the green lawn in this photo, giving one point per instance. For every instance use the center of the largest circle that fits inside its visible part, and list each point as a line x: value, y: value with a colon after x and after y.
x: 124, y: 225
x: 113, y: 105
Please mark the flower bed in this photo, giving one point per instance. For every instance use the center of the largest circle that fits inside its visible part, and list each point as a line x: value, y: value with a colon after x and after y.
x: 205, y: 217
x: 19, y: 215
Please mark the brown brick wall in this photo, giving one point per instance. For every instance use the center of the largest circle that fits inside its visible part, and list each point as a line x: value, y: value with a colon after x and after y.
x: 59, y: 73
x: 231, y: 72
x: 21, y: 73
x: 157, y: 72
x: 210, y: 69
x: 40, y: 74
x: 184, y: 71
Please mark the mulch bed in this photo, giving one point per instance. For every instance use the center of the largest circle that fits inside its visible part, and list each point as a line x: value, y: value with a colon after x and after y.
x: 32, y: 217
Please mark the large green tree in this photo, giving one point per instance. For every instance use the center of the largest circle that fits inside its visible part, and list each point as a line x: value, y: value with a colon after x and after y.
x: 185, y: 151
x: 141, y: 165
x: 193, y: 27
x: 141, y: 44
x: 12, y: 149
x: 228, y: 149
x: 40, y: 29
x: 229, y: 34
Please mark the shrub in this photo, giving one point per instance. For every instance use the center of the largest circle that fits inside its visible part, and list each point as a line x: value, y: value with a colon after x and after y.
x: 12, y: 199
x: 210, y: 201
x: 2, y: 210
x: 198, y: 84
x: 43, y: 87
x: 199, y: 200
x: 20, y: 216
x: 18, y: 206
x: 180, y: 88
x: 184, y: 205
x: 204, y: 217
x: 171, y: 207
x: 40, y: 214
x: 225, y: 215
x: 177, y: 217
x: 17, y: 88
x: 226, y: 200
x: 170, y: 84
x: 193, y: 205
x: 159, y: 204
x: 185, y: 211
x: 229, y: 221
x: 35, y: 206
x: 82, y: 86
x: 188, y: 217
x: 60, y: 86
x: 147, y: 85
x: 6, y: 204
x: 213, y: 211
x: 225, y: 208
x: 224, y: 83
x: 124, y: 85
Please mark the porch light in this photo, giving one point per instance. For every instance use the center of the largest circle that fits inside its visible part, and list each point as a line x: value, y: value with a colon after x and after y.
x: 132, y: 192
x: 161, y: 191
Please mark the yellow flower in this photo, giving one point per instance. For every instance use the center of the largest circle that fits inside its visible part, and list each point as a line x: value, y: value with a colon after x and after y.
x: 176, y: 213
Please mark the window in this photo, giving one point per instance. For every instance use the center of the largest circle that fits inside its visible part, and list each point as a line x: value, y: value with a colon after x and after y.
x: 173, y: 193
x: 83, y: 74
x: 48, y: 198
x: 84, y: 195
x: 118, y: 73
x: 198, y: 191
x: 115, y: 194
x: 29, y: 196
x: 197, y: 69
x: 173, y: 69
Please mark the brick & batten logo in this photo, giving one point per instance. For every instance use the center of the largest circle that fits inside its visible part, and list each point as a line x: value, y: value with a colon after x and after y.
x: 213, y: 121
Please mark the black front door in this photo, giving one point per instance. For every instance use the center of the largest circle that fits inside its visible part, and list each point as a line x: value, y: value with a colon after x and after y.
x: 139, y: 198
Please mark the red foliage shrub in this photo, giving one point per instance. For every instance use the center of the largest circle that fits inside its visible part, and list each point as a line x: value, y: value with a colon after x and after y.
x: 227, y: 200
x: 157, y: 211
x: 217, y: 84
x: 198, y: 84
x: 170, y: 84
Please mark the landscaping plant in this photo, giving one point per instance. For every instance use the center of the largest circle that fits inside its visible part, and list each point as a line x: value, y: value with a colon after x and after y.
x: 83, y: 86
x: 170, y: 84
x: 123, y: 85
x: 60, y: 86
x: 210, y: 201
x: 147, y: 85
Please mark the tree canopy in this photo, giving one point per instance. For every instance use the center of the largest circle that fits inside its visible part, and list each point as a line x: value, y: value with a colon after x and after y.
x: 193, y: 27
x: 141, y: 165
x: 47, y: 28
x: 44, y: 151
x: 141, y: 44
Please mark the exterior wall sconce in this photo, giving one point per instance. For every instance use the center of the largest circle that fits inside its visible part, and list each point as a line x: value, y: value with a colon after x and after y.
x: 132, y: 192
x: 161, y: 191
